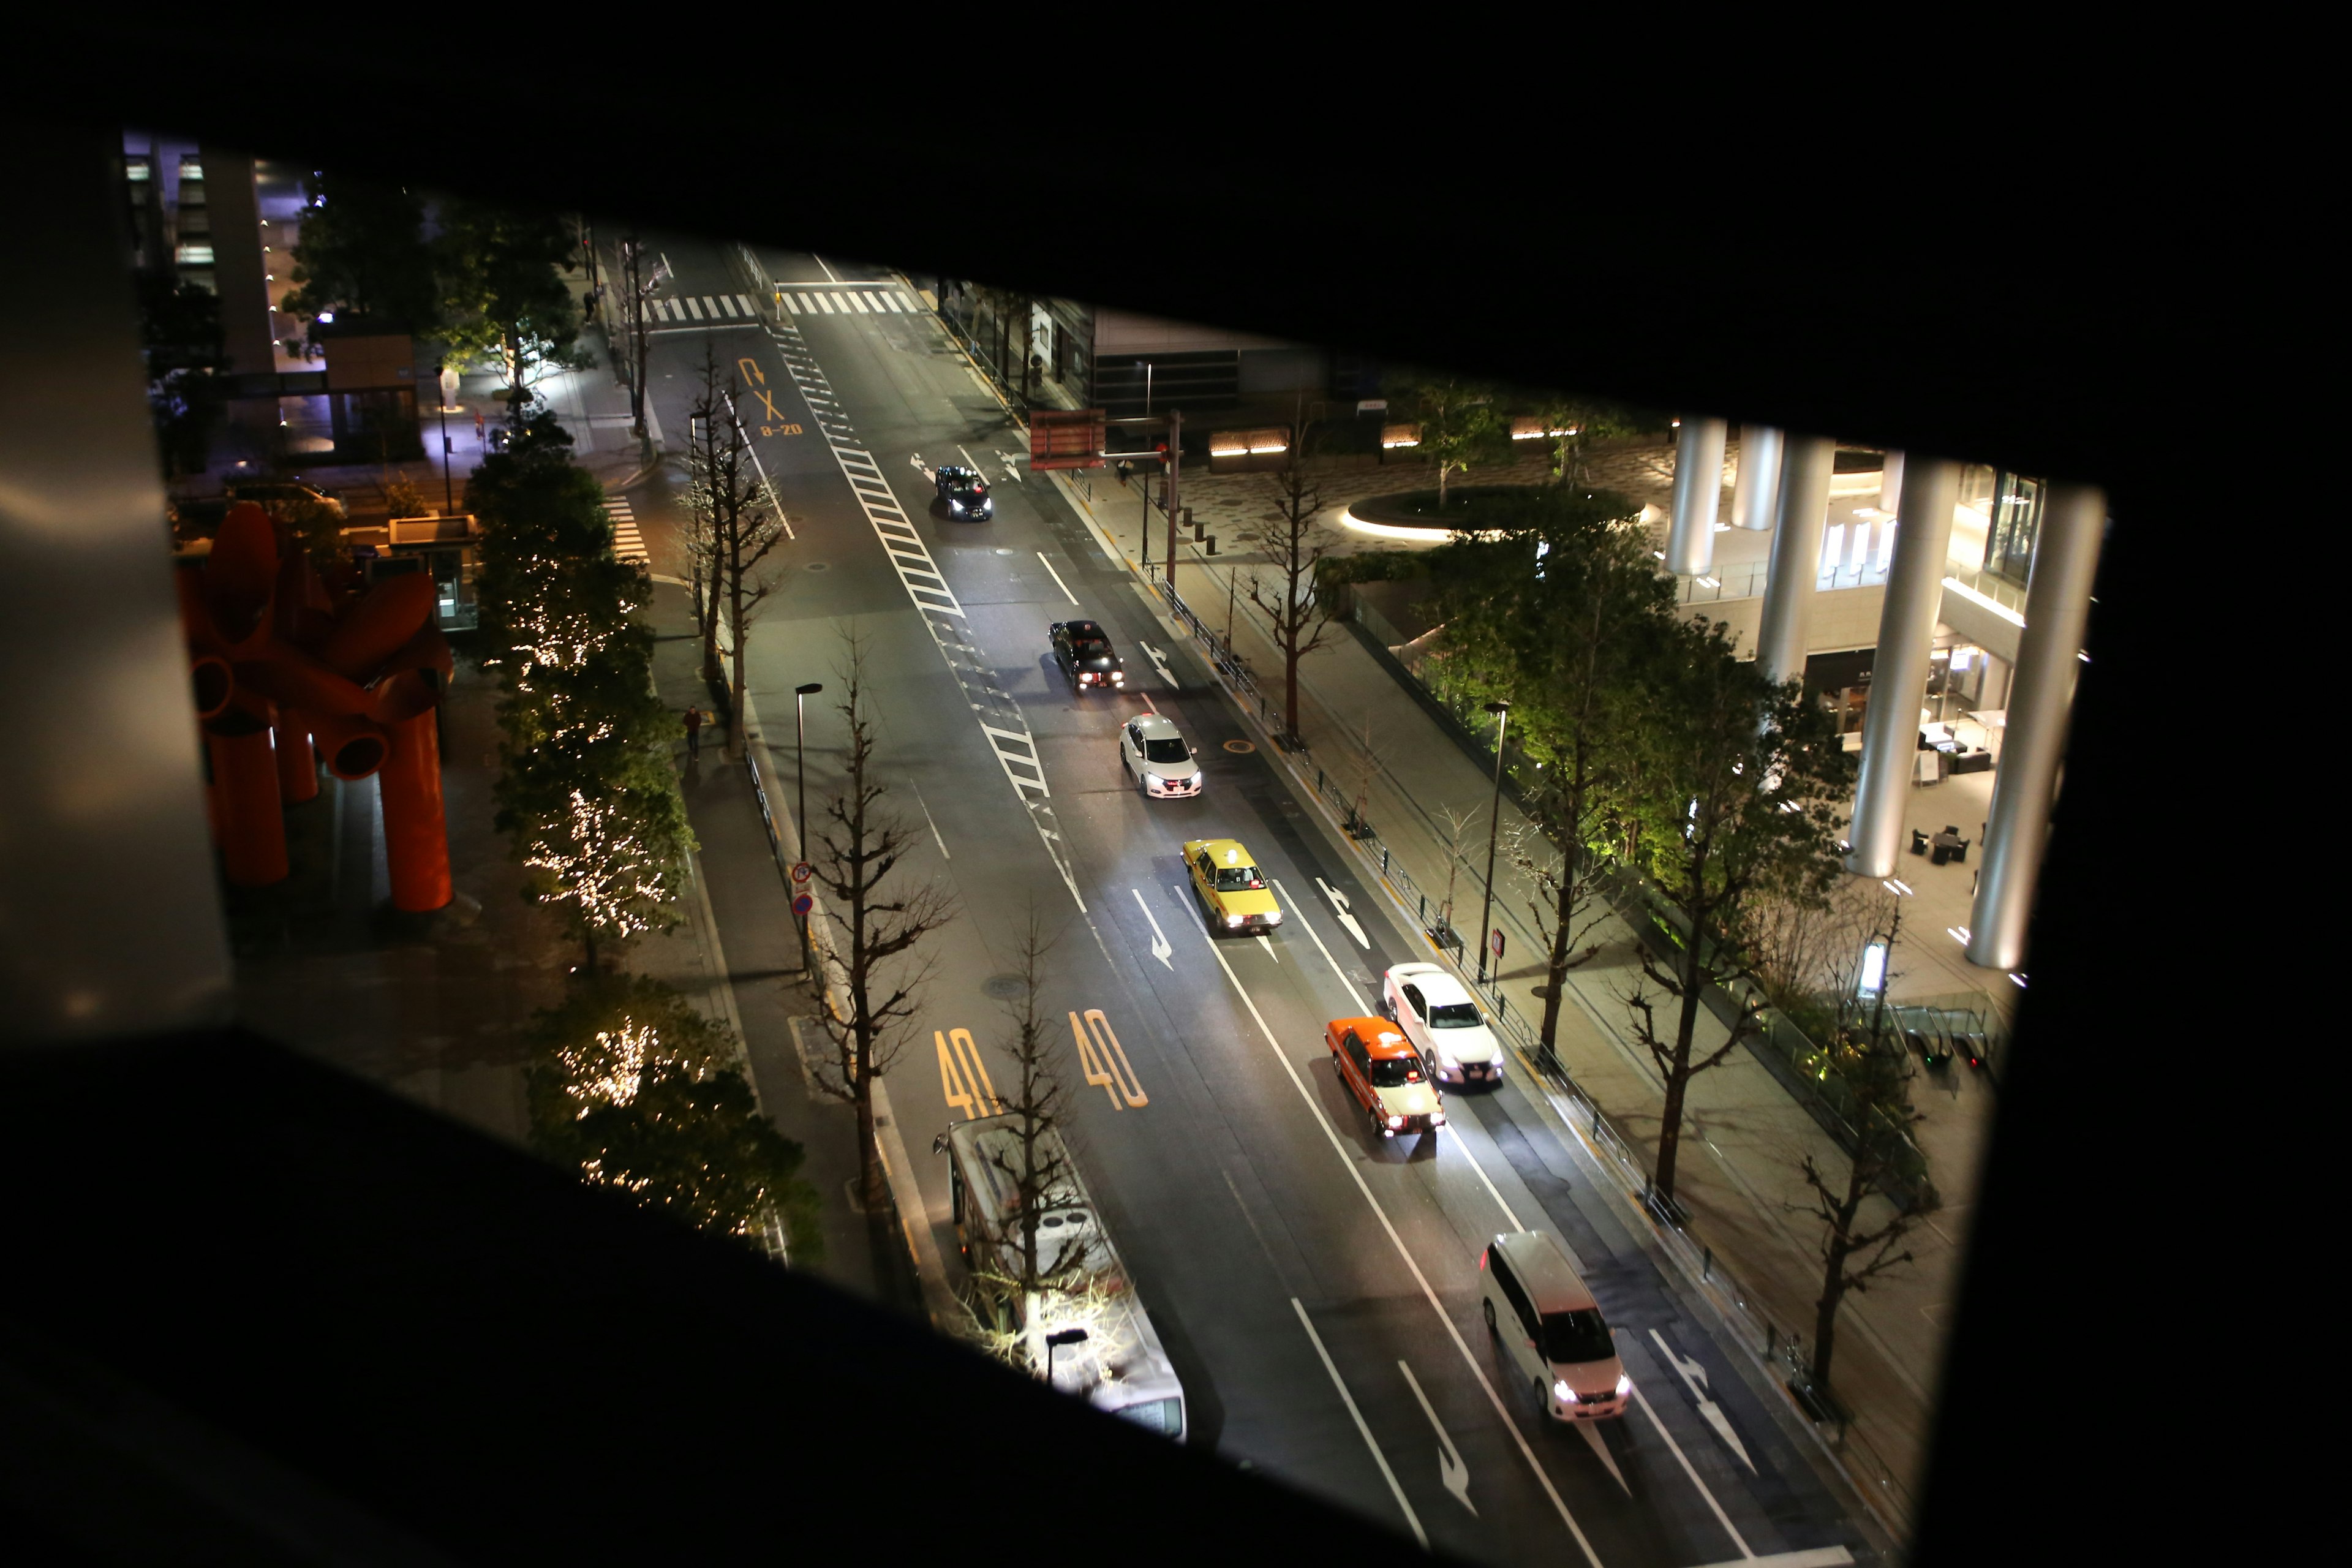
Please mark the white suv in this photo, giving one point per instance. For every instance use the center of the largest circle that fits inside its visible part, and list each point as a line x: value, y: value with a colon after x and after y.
x: 1550, y: 1329
x: 1443, y: 1024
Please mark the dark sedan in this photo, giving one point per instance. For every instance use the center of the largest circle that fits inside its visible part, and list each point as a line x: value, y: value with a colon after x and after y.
x: 965, y: 493
x: 1083, y: 650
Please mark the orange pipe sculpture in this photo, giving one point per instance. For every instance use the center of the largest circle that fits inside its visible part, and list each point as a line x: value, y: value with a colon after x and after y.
x: 272, y: 653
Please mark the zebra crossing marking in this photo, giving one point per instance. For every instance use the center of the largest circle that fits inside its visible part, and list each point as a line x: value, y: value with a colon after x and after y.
x: 628, y: 543
x: 847, y: 302
x: 690, y: 307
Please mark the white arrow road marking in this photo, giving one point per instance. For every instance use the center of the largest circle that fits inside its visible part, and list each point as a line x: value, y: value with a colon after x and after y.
x: 1339, y: 902
x: 1160, y: 947
x: 1813, y: 1557
x: 1695, y: 1377
x: 1721, y: 1518
x: 1362, y: 1427
x: 1263, y: 942
x: 1308, y: 926
x: 1158, y: 661
x: 1591, y: 1434
x: 920, y: 466
x: 1011, y: 467
x: 1450, y: 1467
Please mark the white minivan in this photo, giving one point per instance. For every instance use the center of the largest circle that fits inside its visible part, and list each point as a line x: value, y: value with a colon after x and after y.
x: 1550, y: 1329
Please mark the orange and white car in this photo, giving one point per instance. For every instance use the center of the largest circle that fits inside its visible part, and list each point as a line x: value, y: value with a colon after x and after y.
x: 1386, y: 1075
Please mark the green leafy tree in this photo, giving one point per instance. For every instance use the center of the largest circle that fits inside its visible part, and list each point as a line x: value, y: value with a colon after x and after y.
x: 1737, y: 791
x: 1557, y: 610
x: 505, y: 301
x: 361, y: 251
x: 1570, y: 421
x: 641, y: 1092
x: 1458, y: 428
x: 180, y: 333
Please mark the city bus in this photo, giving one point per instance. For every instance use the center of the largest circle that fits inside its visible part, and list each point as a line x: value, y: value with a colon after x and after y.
x: 1119, y: 1365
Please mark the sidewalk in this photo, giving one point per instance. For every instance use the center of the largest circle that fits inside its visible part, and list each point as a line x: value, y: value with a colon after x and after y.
x: 1744, y: 1136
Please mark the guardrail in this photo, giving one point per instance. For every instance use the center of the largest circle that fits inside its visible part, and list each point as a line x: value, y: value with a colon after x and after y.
x: 1779, y: 1352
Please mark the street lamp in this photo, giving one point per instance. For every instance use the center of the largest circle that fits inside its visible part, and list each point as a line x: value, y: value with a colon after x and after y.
x: 1055, y: 1340
x: 800, y: 694
x: 1502, y: 712
x: 448, y: 485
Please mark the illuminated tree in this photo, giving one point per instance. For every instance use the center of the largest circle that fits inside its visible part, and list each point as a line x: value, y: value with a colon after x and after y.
x: 1458, y: 428
x: 505, y: 301
x: 594, y: 860
x: 642, y: 1093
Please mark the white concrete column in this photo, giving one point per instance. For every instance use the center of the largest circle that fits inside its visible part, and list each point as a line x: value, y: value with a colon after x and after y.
x: 1906, y: 630
x: 1803, y: 505
x: 2041, y: 699
x: 1890, y: 485
x: 1698, y: 491
x: 1758, y: 483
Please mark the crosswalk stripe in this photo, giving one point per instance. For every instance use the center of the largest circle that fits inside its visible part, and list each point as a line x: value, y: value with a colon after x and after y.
x: 826, y: 303
x: 725, y: 304
x: 693, y: 307
x: 911, y: 307
x: 801, y: 303
x: 749, y: 308
x: 861, y: 305
x: 892, y: 300
x: 628, y: 543
x: 876, y: 298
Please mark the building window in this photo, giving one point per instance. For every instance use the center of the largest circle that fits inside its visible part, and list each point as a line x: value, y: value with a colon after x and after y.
x: 192, y: 255
x: 2016, y: 524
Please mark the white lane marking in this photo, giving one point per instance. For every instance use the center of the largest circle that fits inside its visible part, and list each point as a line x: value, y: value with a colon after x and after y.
x: 830, y: 275
x: 1158, y: 661
x: 1413, y: 1267
x: 1064, y: 588
x: 1721, y: 1518
x: 762, y: 469
x: 1267, y: 944
x: 1811, y: 1557
x: 1451, y: 1470
x: 1339, y: 902
x: 1011, y: 468
x: 1357, y: 1415
x: 1282, y: 893
x: 1160, y: 946
x: 1591, y: 1432
x: 934, y: 826
x: 1693, y: 1377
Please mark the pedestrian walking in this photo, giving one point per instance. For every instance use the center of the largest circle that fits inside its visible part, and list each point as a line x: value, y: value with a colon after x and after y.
x: 693, y: 733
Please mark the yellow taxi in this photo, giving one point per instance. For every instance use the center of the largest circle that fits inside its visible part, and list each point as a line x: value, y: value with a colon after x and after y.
x: 1231, y: 888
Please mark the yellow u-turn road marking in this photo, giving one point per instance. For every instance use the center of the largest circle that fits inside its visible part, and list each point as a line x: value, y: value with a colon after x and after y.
x: 752, y: 373
x: 1105, y: 1062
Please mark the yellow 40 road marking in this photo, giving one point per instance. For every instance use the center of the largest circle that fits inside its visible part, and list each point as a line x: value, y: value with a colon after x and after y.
x: 1106, y: 1063
x: 964, y: 1076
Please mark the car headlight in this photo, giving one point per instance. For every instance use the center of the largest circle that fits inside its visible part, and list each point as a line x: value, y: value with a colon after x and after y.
x: 1624, y: 1385
x: 955, y: 506
x: 1195, y: 779
x: 1119, y: 676
x: 1437, y: 1118
x: 1233, y: 920
x: 1273, y: 918
x: 1561, y: 1391
x: 1396, y: 1121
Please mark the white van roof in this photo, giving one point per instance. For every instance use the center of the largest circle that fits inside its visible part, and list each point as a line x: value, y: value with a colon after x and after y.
x: 1543, y: 1266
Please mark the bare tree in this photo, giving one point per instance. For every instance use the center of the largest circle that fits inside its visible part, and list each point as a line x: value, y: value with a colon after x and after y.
x: 1454, y: 824
x: 1559, y: 896
x: 874, y: 924
x: 1860, y: 1237
x: 1806, y: 951
x: 737, y: 519
x: 638, y: 280
x: 1036, y: 1167
x: 1295, y: 602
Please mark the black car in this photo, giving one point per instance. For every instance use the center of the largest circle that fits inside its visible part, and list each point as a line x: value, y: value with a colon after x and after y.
x: 1083, y: 650
x: 965, y: 492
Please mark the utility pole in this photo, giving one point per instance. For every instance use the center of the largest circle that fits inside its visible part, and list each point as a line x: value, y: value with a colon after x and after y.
x: 1502, y: 712
x: 1175, y: 461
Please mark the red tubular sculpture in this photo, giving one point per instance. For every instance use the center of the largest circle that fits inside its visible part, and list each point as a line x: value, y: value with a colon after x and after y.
x: 355, y: 684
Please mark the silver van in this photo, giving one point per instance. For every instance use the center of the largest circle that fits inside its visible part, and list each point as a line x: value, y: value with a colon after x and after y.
x: 1550, y: 1329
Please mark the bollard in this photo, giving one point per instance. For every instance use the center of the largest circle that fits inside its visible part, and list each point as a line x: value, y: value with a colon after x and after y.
x: 1706, y: 1263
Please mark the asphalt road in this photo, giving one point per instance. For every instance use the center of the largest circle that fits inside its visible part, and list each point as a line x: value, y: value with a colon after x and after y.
x: 1249, y: 1197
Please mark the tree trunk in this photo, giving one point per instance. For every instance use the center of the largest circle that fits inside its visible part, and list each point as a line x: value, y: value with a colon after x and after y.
x: 588, y: 940
x: 735, y: 685
x: 1825, y: 1311
x: 1670, y: 1127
